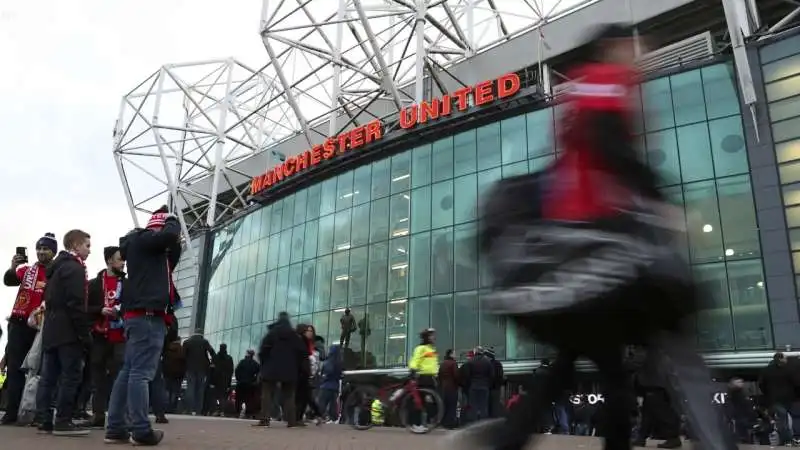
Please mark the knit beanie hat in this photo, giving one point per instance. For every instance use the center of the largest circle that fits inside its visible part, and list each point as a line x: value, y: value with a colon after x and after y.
x: 158, y: 218
x: 49, y: 242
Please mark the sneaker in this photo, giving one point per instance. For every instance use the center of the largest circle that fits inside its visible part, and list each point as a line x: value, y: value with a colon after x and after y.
x: 671, y: 443
x: 69, y: 429
x: 162, y: 420
x: 113, y: 437
x: 152, y: 438
x: 8, y: 420
x: 261, y: 423
x: 45, y: 428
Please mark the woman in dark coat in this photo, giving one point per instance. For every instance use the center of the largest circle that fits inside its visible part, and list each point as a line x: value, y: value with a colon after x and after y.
x: 307, y: 375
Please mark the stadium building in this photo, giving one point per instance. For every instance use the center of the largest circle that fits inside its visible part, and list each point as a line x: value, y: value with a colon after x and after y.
x: 345, y: 172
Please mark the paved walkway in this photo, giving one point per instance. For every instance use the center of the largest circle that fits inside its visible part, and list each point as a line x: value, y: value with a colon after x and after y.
x: 195, y: 433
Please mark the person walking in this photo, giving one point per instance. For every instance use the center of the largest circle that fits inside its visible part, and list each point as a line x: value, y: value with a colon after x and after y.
x: 108, y: 340
x: 199, y: 354
x: 246, y: 381
x: 778, y: 384
x: 151, y: 254
x: 66, y: 337
x: 223, y: 377
x: 174, y: 370
x: 332, y: 372
x: 479, y: 374
x: 31, y: 280
x: 309, y: 370
x: 281, y: 353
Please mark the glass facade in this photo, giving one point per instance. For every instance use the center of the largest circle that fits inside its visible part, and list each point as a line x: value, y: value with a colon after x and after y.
x: 393, y: 240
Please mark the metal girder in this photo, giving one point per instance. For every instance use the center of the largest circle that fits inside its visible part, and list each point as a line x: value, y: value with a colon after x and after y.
x: 740, y: 28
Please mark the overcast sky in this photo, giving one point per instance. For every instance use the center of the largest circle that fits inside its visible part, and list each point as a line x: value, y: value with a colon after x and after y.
x: 65, y: 67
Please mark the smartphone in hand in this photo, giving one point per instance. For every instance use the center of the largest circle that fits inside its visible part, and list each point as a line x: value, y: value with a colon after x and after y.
x: 22, y: 255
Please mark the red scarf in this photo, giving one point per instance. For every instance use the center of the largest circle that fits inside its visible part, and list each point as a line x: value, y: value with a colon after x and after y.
x: 102, y: 326
x: 31, y: 290
x: 85, y: 280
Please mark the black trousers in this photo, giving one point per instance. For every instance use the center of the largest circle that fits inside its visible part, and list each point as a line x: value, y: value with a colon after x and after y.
x: 304, y: 398
x: 104, y: 362
x: 659, y: 419
x: 62, y: 368
x: 20, y: 341
x: 84, y: 392
x: 244, y: 395
x: 287, y: 392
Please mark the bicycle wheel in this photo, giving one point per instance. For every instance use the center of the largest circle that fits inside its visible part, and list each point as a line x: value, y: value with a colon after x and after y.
x: 431, y: 413
x: 360, y: 405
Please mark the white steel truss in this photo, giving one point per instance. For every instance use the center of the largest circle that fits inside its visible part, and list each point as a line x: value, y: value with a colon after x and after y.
x: 328, y: 61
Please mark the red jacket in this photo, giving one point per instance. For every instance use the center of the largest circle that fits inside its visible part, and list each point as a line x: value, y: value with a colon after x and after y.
x: 598, y: 169
x: 31, y: 281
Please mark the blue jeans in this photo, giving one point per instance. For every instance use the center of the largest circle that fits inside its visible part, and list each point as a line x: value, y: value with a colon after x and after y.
x: 144, y: 341
x: 479, y: 403
x: 782, y: 423
x: 327, y: 403
x: 562, y: 419
x: 195, y: 391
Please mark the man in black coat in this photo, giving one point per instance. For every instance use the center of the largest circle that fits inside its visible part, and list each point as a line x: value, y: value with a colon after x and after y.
x: 223, y: 375
x: 66, y: 336
x: 282, y: 355
x: 198, y: 354
x: 148, y: 303
x: 246, y: 380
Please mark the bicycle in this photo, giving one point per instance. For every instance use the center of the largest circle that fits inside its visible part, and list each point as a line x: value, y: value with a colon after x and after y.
x: 402, y: 398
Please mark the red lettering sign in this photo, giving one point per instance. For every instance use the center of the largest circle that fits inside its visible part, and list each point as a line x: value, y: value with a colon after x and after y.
x: 482, y: 94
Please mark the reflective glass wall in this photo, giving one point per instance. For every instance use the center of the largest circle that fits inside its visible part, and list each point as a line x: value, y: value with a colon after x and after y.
x: 393, y: 240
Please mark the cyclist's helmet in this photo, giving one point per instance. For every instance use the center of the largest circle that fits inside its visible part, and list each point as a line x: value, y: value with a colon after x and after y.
x: 425, y: 334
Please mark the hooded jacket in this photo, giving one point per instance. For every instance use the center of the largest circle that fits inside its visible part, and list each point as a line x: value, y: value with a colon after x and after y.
x: 283, y: 354
x: 332, y: 369
x: 66, y: 318
x: 150, y: 256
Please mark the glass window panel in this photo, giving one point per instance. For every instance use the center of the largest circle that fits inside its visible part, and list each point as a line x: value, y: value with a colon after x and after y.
x: 493, y: 332
x: 784, y: 109
x: 715, y: 331
x: 340, y: 279
x: 728, y: 146
x: 401, y: 172
x: 357, y: 340
x: 307, y: 287
x: 344, y: 191
x: 242, y: 228
x: 281, y: 288
x: 695, y: 152
x: 310, y: 240
x: 793, y: 216
x: 362, y: 182
x: 325, y: 235
x: 375, y: 336
x: 442, y: 159
x: 398, y: 268
x: 514, y: 145
x: 378, y: 272
x: 295, y: 286
x: 687, y: 98
x: 285, y: 248
x: 466, y: 263
x: 255, y: 226
x: 442, y: 204
x: 540, y: 163
x: 781, y: 49
x: 396, y: 317
x: 786, y: 88
x: 358, y: 276
x: 274, y: 251
x: 249, y: 300
x: 738, y: 216
x: 400, y: 210
x: 703, y: 222
x: 421, y: 166
x: 489, y: 154
x: 252, y: 259
x: 465, y: 157
x: 263, y: 252
x: 540, y: 132
x: 328, y: 197
x: 360, y: 228
x: 419, y: 318
x: 313, y: 201
x: 322, y: 290
x: 794, y: 239
x: 674, y: 195
x: 442, y: 320
x: 300, y: 201
x: 298, y: 237
x: 751, y: 320
x: 442, y: 261
x: 783, y: 68
x: 485, y: 181
x: 341, y: 239
x: 791, y: 195
x: 288, y: 213
x: 512, y: 170
x: 662, y: 155
x: 380, y: 179
x: 720, y: 91
x: 420, y: 276
x: 322, y: 325
x: 466, y: 324
x: 259, y: 298
x: 466, y: 198
x: 269, y: 300
x: 785, y: 130
x: 275, y: 221
x: 379, y: 220
x: 421, y: 209
x: 657, y: 101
